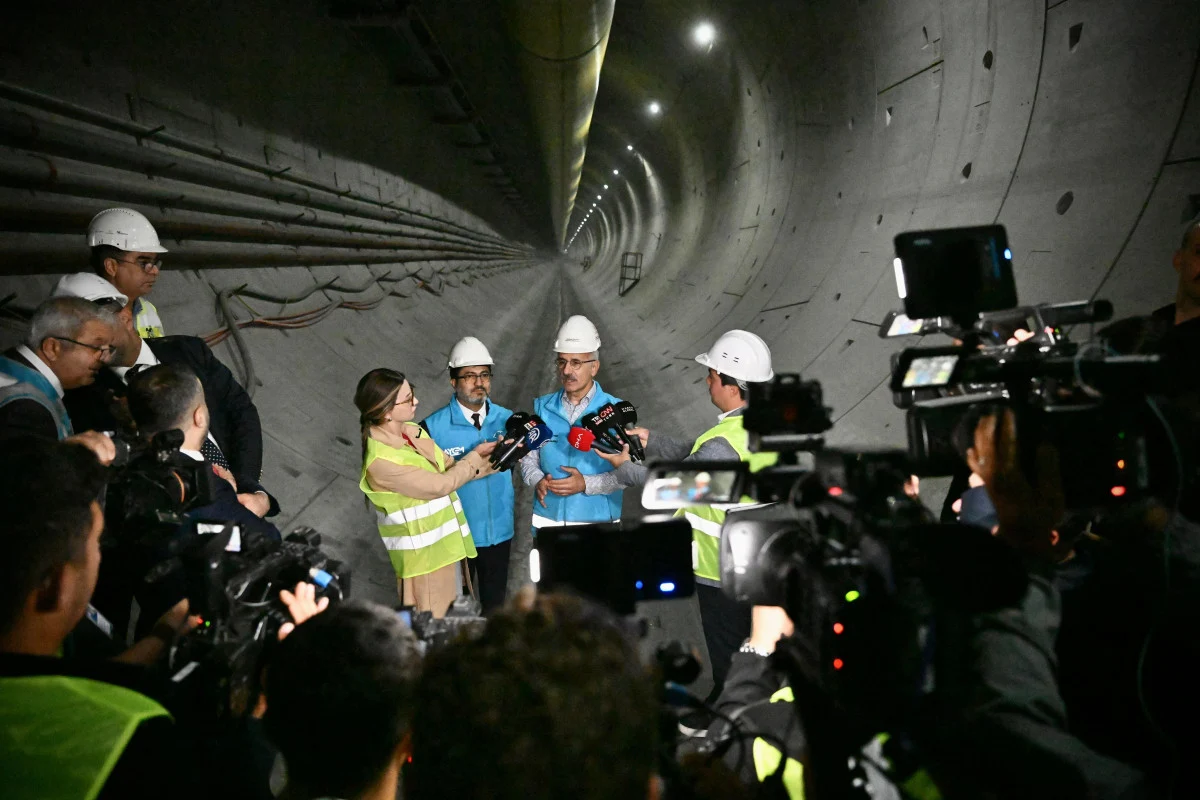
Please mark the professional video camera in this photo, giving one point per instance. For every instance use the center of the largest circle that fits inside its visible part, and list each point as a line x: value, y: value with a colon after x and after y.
x: 1094, y: 407
x: 231, y: 577
x: 465, y: 616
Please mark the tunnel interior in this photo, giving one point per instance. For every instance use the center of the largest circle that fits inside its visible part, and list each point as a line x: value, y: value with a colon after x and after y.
x: 364, y: 183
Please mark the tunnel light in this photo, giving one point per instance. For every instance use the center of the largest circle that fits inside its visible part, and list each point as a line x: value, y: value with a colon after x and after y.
x: 654, y: 108
x: 704, y: 34
x: 616, y: 172
x: 628, y: 147
x: 606, y: 186
x: 597, y: 197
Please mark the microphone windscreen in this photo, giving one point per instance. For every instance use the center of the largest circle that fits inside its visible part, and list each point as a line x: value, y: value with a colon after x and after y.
x: 581, y: 438
x: 516, y: 423
x: 627, y: 413
x: 538, y: 436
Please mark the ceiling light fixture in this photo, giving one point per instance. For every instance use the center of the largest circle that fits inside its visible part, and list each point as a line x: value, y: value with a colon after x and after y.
x: 615, y: 172
x: 628, y: 147
x: 704, y: 34
x: 654, y: 108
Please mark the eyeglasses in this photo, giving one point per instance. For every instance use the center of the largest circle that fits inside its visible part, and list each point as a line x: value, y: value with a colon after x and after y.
x: 145, y: 265
x: 481, y: 377
x: 103, y: 351
x: 574, y: 363
x: 412, y: 398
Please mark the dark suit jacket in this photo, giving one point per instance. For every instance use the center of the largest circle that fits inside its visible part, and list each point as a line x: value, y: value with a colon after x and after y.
x: 234, y: 419
x: 27, y: 417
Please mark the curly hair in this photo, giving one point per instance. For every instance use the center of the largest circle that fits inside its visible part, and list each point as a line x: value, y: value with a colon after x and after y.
x: 553, y: 700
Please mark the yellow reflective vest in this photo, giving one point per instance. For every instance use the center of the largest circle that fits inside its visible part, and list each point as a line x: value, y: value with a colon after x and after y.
x: 421, y: 536
x: 61, y: 736
x: 146, y: 321
x: 706, y: 521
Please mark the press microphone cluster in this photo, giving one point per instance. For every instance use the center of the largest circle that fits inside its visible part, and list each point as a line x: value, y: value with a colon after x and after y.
x: 528, y: 432
x: 605, y: 431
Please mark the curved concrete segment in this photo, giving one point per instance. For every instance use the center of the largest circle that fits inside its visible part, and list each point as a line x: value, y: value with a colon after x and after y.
x: 334, y: 158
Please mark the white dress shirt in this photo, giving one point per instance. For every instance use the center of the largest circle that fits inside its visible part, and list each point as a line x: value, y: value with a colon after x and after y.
x: 41, y: 367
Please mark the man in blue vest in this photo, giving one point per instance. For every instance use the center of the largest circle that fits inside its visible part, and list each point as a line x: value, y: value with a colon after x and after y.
x: 573, y: 487
x: 69, y: 341
x: 469, y: 419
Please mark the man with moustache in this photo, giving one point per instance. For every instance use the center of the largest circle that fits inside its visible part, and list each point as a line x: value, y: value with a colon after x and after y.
x: 126, y: 253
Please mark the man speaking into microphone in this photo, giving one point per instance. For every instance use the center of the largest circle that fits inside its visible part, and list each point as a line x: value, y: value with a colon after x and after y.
x: 469, y: 419
x: 573, y: 487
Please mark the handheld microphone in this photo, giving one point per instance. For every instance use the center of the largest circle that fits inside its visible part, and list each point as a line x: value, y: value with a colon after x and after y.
x: 585, y: 440
x: 517, y: 428
x: 612, y: 422
x: 601, y: 430
x: 627, y: 415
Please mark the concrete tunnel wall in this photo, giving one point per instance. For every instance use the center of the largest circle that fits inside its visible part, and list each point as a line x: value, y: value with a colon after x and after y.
x: 765, y: 197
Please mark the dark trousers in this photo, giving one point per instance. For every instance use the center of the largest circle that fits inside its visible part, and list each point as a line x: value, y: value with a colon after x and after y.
x: 726, y: 625
x: 489, y: 570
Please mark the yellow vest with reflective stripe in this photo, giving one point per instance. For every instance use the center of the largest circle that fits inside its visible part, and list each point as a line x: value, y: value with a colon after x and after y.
x: 767, y: 757
x: 706, y: 521
x: 146, y: 321
x: 421, y: 536
x: 62, y: 736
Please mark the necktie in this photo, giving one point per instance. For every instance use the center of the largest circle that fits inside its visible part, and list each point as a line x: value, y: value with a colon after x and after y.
x: 475, y: 421
x: 212, y: 453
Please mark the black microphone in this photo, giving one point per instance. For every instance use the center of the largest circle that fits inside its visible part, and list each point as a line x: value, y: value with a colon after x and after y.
x: 600, y: 427
x: 627, y: 415
x: 519, y: 424
x: 612, y: 422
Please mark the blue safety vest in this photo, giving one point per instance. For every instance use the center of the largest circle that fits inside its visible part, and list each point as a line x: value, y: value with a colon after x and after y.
x: 487, y: 502
x: 558, y: 453
x: 32, y: 385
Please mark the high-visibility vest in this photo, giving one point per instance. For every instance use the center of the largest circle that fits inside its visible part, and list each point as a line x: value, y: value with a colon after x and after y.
x: 767, y: 757
x: 146, y: 321
x: 706, y: 521
x: 19, y: 382
x: 61, y: 736
x: 421, y: 536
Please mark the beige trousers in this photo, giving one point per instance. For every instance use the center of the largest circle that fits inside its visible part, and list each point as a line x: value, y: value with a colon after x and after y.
x: 435, y: 591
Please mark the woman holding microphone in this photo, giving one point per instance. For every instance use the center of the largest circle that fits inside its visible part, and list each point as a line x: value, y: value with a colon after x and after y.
x: 406, y: 478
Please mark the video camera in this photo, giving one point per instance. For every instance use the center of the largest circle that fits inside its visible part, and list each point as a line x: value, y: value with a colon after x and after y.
x: 1092, y: 406
x: 231, y: 577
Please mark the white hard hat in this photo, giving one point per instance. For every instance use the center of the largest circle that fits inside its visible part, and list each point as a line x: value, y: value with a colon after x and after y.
x: 702, y: 477
x: 124, y: 229
x: 740, y: 355
x: 469, y: 352
x: 577, y: 335
x: 89, y: 286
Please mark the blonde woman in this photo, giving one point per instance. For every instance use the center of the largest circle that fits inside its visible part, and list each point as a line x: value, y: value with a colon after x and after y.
x: 407, y: 479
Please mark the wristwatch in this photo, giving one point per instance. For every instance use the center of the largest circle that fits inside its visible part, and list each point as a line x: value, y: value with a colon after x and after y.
x: 749, y: 648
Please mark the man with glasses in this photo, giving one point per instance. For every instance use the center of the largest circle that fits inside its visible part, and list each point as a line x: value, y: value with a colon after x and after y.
x: 126, y: 253
x: 573, y: 487
x: 469, y: 419
x: 69, y: 341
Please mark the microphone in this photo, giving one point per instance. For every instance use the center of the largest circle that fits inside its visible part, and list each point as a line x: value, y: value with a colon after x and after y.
x: 627, y: 415
x: 601, y: 430
x: 612, y: 426
x: 585, y: 440
x: 517, y: 428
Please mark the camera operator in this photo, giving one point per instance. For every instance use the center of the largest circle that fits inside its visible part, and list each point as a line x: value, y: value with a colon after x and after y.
x: 1014, y: 728
x: 67, y: 727
x: 234, y: 440
x: 356, y: 663
x: 757, y: 699
x: 736, y: 358
x: 69, y: 340
x: 549, y: 701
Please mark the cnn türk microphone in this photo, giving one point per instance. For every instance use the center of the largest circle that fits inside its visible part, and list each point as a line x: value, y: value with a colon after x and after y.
x: 611, y: 419
x: 601, y: 430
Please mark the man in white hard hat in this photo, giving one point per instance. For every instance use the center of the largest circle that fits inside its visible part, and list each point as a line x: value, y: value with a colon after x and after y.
x: 735, y: 360
x: 126, y: 253
x: 573, y: 487
x: 469, y: 419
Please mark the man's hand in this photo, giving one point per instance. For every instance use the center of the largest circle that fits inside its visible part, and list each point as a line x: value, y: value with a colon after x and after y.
x: 1027, y: 514
x: 769, y: 624
x: 616, y: 459
x: 542, y: 489
x: 641, y: 433
x: 222, y: 472
x: 572, y: 484
x: 98, y: 443
x: 302, y: 604
x: 257, y: 502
